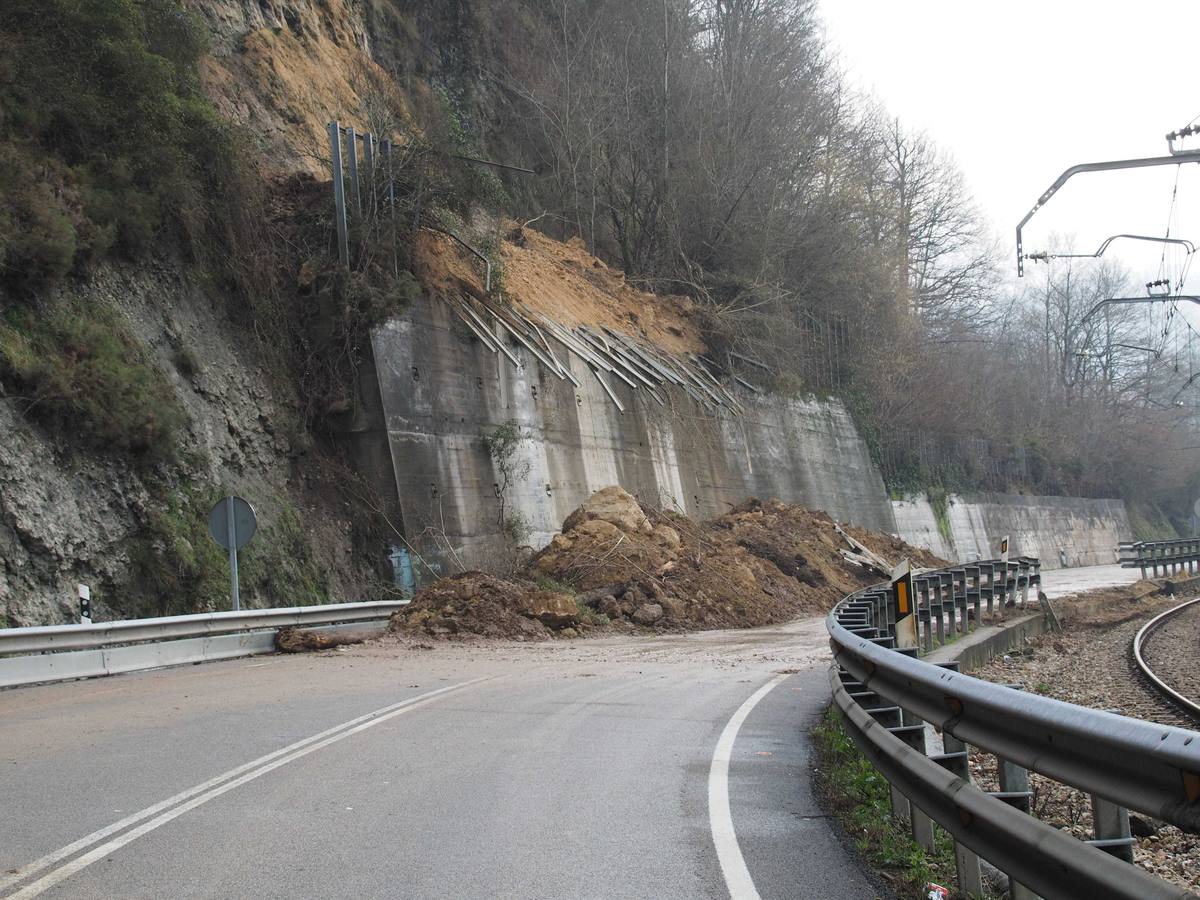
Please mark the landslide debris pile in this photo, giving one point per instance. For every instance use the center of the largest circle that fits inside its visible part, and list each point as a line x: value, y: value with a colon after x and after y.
x: 631, y: 565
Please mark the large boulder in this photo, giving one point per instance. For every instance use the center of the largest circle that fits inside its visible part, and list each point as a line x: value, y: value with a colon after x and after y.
x: 551, y: 608
x: 614, y: 505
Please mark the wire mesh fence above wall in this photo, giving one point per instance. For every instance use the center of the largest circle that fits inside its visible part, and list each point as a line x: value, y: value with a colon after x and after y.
x: 914, y: 459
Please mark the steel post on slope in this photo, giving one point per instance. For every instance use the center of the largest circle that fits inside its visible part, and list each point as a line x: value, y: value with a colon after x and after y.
x: 352, y: 159
x: 1111, y: 165
x: 339, y: 192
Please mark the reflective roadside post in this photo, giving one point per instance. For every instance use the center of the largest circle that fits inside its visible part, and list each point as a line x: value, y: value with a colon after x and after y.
x: 232, y: 524
x: 904, y: 606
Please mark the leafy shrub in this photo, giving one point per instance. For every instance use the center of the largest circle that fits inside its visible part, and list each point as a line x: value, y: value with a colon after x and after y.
x: 86, y: 375
x: 107, y: 142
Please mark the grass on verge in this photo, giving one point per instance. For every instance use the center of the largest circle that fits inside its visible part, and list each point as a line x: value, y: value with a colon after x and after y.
x: 858, y: 795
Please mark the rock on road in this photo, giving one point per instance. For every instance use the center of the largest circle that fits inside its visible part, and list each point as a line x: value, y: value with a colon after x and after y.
x: 572, y: 769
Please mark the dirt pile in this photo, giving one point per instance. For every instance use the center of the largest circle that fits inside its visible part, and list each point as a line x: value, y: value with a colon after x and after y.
x: 631, y: 565
x: 481, y: 604
x: 757, y: 564
x: 565, y: 283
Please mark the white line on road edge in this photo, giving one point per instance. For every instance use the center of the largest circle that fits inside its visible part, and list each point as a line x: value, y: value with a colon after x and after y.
x: 729, y: 854
x: 202, y: 793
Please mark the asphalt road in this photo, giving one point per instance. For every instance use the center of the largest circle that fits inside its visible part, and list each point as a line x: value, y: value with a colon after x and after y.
x: 673, y: 767
x: 597, y: 769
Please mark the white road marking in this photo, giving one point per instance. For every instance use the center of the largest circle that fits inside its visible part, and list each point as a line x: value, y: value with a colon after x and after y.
x: 729, y: 854
x: 168, y: 809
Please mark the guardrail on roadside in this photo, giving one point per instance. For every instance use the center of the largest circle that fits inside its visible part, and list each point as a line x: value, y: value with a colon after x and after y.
x: 887, y: 699
x: 1171, y: 556
x: 59, y: 652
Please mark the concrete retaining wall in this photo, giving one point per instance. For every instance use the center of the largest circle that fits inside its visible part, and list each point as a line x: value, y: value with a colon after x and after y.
x: 1086, y: 531
x: 440, y: 391
x: 435, y: 391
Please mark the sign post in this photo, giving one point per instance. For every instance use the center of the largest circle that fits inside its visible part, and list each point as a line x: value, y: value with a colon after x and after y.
x: 1004, y: 549
x: 904, y: 607
x: 232, y: 524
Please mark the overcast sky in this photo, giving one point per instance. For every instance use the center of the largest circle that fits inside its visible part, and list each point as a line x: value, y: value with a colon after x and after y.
x: 1018, y: 91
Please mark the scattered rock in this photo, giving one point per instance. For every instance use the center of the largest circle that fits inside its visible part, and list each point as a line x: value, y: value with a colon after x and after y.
x: 1141, y: 828
x: 666, y: 535
x: 648, y: 613
x: 551, y: 608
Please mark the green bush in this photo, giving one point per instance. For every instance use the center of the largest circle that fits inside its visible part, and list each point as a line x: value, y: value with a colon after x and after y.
x: 85, y: 374
x: 107, y: 143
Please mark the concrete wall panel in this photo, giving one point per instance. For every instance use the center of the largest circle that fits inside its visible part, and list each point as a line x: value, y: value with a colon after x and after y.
x: 441, y: 390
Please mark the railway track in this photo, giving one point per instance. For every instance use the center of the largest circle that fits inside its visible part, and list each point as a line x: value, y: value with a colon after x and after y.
x: 1164, y: 653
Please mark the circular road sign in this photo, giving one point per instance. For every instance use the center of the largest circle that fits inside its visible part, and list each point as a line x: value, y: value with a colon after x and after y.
x: 245, y: 523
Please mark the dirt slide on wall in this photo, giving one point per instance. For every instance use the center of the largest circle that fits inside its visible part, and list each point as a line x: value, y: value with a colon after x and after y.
x: 619, y: 564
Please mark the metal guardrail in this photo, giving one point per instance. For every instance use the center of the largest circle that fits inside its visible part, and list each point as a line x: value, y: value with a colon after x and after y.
x: 1170, y: 556
x: 57, y: 652
x: 1188, y: 705
x: 888, y: 698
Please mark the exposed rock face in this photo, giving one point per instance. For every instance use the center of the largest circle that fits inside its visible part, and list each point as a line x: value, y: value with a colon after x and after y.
x: 70, y: 516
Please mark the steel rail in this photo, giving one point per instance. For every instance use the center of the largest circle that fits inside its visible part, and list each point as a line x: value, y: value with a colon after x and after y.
x: 52, y: 638
x: 1034, y: 854
x: 1191, y: 707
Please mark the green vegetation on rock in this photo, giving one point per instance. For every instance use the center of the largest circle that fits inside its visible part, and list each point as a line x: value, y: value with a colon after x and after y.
x: 177, y: 568
x: 81, y: 372
x: 108, y: 146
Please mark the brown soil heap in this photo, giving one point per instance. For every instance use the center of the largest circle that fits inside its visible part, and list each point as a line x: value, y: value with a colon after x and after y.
x: 565, y: 283
x: 477, y: 603
x: 758, y: 564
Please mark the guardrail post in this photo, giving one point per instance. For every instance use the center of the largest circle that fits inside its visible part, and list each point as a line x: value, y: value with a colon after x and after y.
x: 946, y: 583
x: 1110, y: 825
x: 991, y: 587
x: 956, y: 759
x: 912, y: 732
x: 972, y: 589
x: 1014, y: 790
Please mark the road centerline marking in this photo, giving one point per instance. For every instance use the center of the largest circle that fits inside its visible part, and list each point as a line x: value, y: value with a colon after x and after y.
x: 184, y: 801
x: 720, y: 816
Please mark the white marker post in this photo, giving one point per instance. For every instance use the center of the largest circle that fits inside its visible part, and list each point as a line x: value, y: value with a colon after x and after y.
x: 85, y: 605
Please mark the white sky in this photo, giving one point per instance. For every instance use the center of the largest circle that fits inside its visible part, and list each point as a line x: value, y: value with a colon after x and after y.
x: 1018, y: 91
